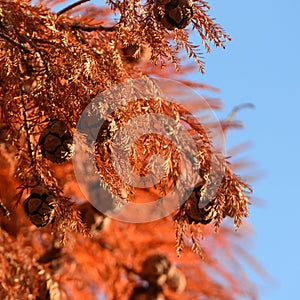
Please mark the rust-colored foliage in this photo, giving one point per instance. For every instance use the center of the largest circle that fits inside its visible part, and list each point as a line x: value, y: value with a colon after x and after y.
x: 52, y: 65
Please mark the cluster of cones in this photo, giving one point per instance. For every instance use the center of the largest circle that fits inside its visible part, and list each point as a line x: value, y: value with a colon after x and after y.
x: 158, y: 274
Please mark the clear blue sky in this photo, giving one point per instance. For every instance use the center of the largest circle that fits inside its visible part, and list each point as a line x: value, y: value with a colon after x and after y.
x: 261, y: 65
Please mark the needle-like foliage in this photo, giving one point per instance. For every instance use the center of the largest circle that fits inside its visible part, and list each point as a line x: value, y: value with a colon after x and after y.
x: 53, y: 63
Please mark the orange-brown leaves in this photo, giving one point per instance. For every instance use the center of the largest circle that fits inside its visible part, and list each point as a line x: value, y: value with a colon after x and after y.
x: 21, y: 277
x: 228, y: 198
x: 51, y: 68
x: 160, y: 140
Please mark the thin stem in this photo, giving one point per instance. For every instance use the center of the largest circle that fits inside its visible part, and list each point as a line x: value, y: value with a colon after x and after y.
x: 4, y: 209
x: 5, y: 36
x: 28, y: 133
x: 64, y: 10
x: 94, y: 28
x: 27, y: 128
x: 236, y: 109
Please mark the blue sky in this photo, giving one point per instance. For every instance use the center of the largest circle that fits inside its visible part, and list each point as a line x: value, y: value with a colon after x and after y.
x: 261, y: 65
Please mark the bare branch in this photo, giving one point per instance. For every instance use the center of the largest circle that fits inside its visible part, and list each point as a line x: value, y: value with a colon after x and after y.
x: 236, y: 109
x: 94, y: 28
x: 5, y: 36
x: 64, y: 10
